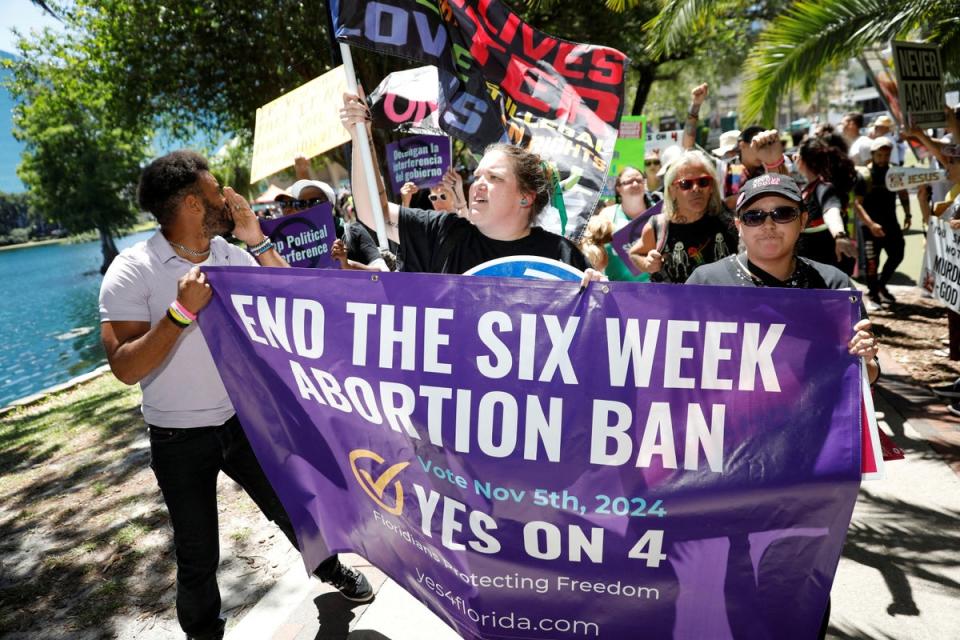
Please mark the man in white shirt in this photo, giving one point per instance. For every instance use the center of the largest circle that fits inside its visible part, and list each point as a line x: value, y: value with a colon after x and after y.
x: 149, y: 300
x: 884, y: 127
x: 852, y: 124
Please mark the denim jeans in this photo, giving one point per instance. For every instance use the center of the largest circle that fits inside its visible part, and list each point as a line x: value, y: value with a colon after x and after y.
x: 186, y: 463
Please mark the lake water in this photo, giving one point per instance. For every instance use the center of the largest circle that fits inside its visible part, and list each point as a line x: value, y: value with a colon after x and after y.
x: 49, y: 316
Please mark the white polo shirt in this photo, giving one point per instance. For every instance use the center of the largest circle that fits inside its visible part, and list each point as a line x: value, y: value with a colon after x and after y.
x: 186, y: 389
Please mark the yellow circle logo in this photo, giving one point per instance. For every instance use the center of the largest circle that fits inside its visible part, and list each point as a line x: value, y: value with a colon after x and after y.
x: 377, y: 488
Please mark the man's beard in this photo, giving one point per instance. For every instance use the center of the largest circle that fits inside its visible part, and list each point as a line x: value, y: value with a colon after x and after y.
x: 216, y: 220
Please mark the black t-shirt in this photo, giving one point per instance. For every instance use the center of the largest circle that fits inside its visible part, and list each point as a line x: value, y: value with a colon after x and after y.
x: 692, y: 244
x: 435, y: 242
x: 393, y: 246
x: 737, y: 271
x: 360, y: 246
x: 818, y: 198
x: 880, y: 202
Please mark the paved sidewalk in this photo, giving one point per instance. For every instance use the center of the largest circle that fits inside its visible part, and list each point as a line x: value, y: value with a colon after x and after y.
x: 899, y: 578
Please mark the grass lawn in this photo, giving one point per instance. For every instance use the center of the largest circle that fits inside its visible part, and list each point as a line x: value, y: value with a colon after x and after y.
x: 84, y: 535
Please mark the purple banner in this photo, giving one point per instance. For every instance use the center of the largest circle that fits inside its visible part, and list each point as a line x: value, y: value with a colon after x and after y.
x: 304, y: 239
x: 634, y: 461
x: 421, y: 160
x: 627, y: 235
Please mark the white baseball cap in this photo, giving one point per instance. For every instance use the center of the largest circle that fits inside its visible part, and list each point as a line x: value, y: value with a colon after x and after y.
x: 300, y: 185
x: 728, y: 142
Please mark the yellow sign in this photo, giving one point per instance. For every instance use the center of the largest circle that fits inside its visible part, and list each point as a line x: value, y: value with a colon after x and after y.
x: 377, y: 488
x: 305, y: 122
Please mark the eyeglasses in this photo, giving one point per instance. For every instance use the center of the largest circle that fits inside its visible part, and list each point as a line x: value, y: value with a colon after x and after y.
x: 686, y: 184
x: 655, y: 163
x: 637, y: 180
x: 299, y: 205
x: 780, y: 215
x: 437, y: 196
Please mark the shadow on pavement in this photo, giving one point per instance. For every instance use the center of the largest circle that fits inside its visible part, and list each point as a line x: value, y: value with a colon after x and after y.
x: 335, y: 614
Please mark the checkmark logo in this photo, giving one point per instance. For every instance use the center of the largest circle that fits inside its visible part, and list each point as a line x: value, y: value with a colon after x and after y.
x: 379, y: 488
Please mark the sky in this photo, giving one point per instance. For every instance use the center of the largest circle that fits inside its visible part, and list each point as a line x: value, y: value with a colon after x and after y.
x: 23, y: 15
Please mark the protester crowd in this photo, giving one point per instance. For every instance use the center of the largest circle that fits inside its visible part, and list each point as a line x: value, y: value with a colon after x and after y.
x: 745, y: 214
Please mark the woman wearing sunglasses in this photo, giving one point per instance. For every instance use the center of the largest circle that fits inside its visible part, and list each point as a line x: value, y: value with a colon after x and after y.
x: 770, y: 220
x: 693, y: 229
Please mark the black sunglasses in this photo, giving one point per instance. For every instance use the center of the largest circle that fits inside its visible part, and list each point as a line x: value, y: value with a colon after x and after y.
x: 685, y: 185
x: 302, y: 204
x: 437, y: 196
x: 780, y: 215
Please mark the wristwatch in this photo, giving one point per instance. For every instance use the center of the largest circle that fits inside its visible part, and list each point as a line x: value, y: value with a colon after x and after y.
x: 842, y: 234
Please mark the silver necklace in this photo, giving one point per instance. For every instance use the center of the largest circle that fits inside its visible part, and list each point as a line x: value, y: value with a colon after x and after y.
x: 188, y: 251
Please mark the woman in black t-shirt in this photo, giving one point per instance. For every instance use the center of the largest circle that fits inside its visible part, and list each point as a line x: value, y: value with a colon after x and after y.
x: 693, y: 229
x: 830, y: 178
x: 510, y: 189
x: 770, y: 218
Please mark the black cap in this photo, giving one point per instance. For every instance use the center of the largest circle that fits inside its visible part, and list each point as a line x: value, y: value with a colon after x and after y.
x: 769, y: 184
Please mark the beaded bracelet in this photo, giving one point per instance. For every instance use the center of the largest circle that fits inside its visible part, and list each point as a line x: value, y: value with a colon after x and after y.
x: 262, y: 248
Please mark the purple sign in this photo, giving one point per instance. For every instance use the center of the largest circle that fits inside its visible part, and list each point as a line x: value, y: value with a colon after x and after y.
x: 421, y: 160
x: 304, y: 239
x: 625, y: 238
x: 532, y: 462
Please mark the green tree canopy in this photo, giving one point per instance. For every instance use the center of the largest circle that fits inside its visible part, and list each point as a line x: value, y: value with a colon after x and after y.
x: 802, y: 39
x: 80, y: 161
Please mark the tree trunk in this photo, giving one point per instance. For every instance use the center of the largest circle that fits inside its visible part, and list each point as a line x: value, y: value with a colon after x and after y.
x: 109, y: 249
x: 647, y: 76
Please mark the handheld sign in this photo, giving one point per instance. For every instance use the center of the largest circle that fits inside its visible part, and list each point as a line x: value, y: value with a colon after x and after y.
x: 421, y: 160
x: 304, y: 239
x: 298, y: 123
x: 628, y: 235
x: 920, y: 82
x: 629, y: 150
x: 900, y: 178
x: 528, y: 267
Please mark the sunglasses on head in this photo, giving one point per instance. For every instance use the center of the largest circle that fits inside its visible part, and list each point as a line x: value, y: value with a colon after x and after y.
x: 437, y: 196
x: 686, y: 184
x: 780, y: 215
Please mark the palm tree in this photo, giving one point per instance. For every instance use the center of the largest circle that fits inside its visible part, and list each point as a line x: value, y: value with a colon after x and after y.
x: 796, y: 46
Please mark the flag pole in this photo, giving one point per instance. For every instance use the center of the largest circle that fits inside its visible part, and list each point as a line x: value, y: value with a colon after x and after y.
x: 365, y: 156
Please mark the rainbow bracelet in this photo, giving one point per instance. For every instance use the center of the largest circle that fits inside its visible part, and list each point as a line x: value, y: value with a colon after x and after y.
x: 189, y: 315
x: 178, y: 318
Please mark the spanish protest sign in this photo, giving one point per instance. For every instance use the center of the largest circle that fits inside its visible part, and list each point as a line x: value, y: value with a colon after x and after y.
x: 501, y: 80
x: 301, y: 122
x: 421, y: 160
x: 534, y: 462
x: 920, y: 83
x: 941, y: 266
x: 304, y: 239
